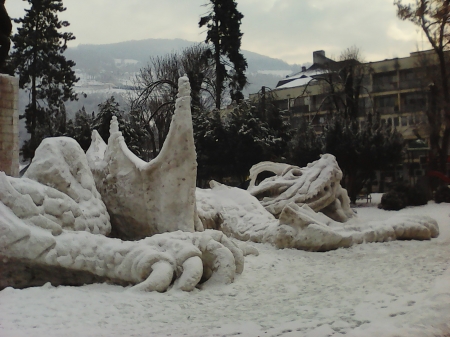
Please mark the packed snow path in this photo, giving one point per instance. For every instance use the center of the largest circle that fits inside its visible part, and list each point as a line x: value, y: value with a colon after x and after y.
x: 399, y: 288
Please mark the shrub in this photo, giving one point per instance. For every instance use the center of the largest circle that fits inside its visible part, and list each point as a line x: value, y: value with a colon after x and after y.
x: 442, y: 194
x: 393, y: 201
x: 403, y: 195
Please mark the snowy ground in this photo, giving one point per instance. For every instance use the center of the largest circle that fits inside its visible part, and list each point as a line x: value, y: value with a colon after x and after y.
x: 399, y: 288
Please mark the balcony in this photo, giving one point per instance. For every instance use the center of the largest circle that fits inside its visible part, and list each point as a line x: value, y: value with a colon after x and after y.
x: 413, y: 108
x: 383, y: 86
x: 388, y: 110
x: 411, y: 84
x: 300, y: 109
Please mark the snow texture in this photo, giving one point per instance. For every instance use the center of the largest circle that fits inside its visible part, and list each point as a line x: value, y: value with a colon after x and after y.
x: 143, y: 198
x: 77, y: 258
x: 317, y: 185
x: 240, y: 215
x: 397, y: 288
x: 57, y: 191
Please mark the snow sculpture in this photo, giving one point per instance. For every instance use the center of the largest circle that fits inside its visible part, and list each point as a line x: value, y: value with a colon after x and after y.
x: 33, y: 256
x: 62, y: 194
x: 302, y: 228
x: 317, y: 185
x: 143, y: 198
x: 53, y: 231
x: 238, y: 214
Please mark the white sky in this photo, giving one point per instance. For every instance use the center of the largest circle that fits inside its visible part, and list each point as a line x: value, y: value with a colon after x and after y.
x: 286, y: 29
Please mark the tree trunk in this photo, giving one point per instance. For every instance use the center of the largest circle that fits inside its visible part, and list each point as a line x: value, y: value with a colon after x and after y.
x: 443, y: 153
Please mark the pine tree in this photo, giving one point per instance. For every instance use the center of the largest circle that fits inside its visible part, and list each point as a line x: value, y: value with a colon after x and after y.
x: 80, y: 128
x: 102, y: 120
x: 229, y: 148
x: 223, y: 22
x: 38, y: 59
x: 131, y: 132
x: 361, y: 150
x: 306, y: 145
x: 213, y: 154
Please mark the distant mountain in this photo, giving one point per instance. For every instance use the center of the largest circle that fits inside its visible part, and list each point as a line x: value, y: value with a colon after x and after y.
x: 142, y: 50
x: 108, y: 62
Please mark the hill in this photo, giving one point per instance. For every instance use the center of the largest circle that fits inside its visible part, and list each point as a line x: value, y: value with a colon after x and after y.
x: 112, y: 63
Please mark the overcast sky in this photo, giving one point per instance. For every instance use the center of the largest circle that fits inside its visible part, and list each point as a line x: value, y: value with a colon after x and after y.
x: 286, y: 29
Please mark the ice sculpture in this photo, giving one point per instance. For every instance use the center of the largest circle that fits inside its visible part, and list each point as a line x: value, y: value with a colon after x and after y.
x: 317, y: 185
x: 143, y: 198
x: 238, y: 214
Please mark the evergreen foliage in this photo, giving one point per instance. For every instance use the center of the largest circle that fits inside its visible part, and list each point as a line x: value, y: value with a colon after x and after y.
x: 361, y: 150
x: 80, y: 128
x: 127, y: 125
x: 402, y: 195
x: 102, y: 120
x: 223, y: 22
x: 5, y: 32
x: 252, y: 141
x: 213, y: 152
x: 38, y: 59
x: 227, y: 149
x: 306, y: 145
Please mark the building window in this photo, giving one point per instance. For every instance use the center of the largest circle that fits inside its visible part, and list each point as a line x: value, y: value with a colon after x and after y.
x: 412, y: 102
x: 387, y: 104
x: 396, y: 121
x: 404, y: 121
x: 385, y: 81
x: 424, y: 119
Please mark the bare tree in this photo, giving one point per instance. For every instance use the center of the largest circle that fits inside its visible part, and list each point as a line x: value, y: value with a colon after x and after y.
x: 153, y: 103
x: 433, y: 17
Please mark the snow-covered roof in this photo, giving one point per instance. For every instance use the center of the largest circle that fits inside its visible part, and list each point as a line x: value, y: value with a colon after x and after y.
x: 298, y: 82
x: 299, y: 79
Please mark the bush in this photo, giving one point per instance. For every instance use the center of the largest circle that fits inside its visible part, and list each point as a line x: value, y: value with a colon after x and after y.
x: 403, y: 195
x: 442, y: 194
x: 393, y: 201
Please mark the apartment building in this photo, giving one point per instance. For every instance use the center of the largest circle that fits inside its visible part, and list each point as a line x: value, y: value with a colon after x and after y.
x: 398, y: 89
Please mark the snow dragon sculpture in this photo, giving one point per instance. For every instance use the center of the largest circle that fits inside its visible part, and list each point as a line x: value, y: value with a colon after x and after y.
x: 53, y: 230
x: 53, y: 221
x: 317, y: 185
x: 292, y: 221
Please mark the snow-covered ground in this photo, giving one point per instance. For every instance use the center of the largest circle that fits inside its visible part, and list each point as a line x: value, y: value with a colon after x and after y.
x: 399, y: 288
